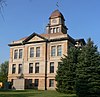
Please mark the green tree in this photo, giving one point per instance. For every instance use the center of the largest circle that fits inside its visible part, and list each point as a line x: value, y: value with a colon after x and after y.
x: 4, y: 71
x: 66, y: 72
x: 88, y: 71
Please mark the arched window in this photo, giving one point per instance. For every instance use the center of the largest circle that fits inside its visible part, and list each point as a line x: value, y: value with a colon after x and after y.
x: 58, y: 29
x: 15, y: 54
x: 51, y: 30
x: 54, y: 30
x: 13, y: 68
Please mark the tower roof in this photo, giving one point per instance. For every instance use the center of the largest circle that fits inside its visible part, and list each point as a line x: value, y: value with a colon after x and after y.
x: 56, y: 13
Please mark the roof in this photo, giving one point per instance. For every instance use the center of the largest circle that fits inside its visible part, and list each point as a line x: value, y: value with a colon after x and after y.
x: 55, y: 14
x: 32, y: 35
x: 46, y: 37
x: 80, y: 40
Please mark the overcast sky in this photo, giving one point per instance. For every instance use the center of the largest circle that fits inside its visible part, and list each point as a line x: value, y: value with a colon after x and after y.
x: 23, y: 17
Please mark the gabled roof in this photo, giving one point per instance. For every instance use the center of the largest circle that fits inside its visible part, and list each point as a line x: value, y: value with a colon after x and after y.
x: 25, y: 40
x: 46, y: 38
x: 32, y: 35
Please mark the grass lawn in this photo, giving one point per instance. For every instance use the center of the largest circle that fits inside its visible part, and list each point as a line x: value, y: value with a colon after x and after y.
x: 33, y: 93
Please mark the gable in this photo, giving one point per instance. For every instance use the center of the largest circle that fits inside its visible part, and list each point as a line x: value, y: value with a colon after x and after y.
x: 35, y: 38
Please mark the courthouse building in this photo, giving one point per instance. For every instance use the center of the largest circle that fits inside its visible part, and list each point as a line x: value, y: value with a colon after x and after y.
x: 38, y: 55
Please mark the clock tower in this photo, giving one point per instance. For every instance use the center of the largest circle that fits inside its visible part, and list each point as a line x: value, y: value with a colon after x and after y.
x: 56, y: 23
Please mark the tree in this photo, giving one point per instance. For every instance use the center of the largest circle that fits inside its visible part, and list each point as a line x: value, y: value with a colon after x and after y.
x: 4, y: 72
x: 66, y: 72
x: 88, y: 71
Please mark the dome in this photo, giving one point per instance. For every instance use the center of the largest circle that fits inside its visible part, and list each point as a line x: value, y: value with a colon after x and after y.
x: 56, y: 13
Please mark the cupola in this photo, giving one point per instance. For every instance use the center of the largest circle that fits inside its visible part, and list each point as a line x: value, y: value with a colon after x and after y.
x: 56, y: 23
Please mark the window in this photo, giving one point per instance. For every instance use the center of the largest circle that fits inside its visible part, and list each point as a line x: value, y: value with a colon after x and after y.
x: 52, y: 67
x: 13, y: 68
x: 32, y: 52
x: 51, y: 30
x: 30, y: 67
x: 59, y: 50
x: 20, y: 53
x: 53, y: 51
x: 36, y: 82
x: 15, y: 54
x: 12, y: 80
x: 51, y: 83
x: 30, y: 81
x: 37, y: 51
x: 20, y: 68
x: 36, y: 67
x: 59, y: 64
x: 54, y: 30
x: 58, y: 29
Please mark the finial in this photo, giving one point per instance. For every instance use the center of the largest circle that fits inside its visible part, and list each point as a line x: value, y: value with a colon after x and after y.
x: 57, y: 5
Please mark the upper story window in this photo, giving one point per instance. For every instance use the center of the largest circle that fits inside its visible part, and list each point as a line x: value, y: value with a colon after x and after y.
x: 53, y: 51
x: 54, y: 30
x: 37, y: 51
x: 13, y: 68
x: 32, y: 52
x: 59, y: 50
x: 51, y: 30
x: 36, y: 67
x: 31, y: 68
x: 20, y: 53
x: 15, y: 54
x: 58, y: 29
x: 20, y: 68
x: 52, y: 67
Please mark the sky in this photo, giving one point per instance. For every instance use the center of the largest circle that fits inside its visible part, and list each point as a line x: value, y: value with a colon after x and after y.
x: 23, y: 17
